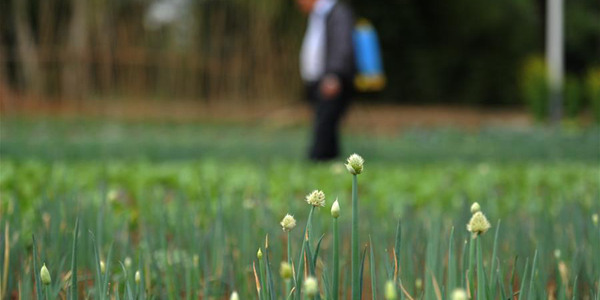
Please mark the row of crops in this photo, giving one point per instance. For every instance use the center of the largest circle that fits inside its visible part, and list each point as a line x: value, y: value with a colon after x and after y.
x: 209, y: 225
x: 192, y: 228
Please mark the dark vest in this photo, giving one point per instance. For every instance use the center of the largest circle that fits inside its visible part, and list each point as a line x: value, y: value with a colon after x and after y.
x: 339, y: 56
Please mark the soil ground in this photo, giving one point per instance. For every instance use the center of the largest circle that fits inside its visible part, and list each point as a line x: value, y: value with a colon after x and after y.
x: 363, y: 116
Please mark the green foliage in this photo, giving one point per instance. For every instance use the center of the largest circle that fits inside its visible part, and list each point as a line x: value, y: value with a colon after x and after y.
x: 573, y: 97
x: 534, y: 87
x: 50, y: 139
x: 539, y: 204
x: 592, y: 90
x: 193, y: 225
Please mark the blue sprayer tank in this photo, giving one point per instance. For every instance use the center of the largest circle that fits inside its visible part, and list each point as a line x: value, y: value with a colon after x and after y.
x: 370, y: 76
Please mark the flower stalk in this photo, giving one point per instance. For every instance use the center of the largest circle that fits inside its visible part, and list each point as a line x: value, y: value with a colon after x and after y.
x: 478, y: 225
x: 301, y: 255
x: 335, y: 213
x: 355, y: 248
x: 354, y: 165
x: 288, y: 282
x: 471, y: 271
x: 261, y: 275
x: 480, y: 275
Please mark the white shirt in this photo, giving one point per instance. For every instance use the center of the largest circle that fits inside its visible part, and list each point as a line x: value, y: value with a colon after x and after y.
x: 312, y: 55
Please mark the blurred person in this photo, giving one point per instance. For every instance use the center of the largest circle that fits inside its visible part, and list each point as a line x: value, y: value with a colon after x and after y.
x: 327, y: 69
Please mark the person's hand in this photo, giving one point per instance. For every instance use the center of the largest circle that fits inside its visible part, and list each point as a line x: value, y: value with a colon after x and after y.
x: 330, y: 87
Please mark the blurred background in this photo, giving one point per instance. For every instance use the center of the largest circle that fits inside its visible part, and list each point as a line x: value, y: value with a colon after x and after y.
x: 240, y: 53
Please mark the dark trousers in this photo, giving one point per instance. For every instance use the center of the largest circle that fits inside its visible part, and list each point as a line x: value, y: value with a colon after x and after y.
x: 327, y: 117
